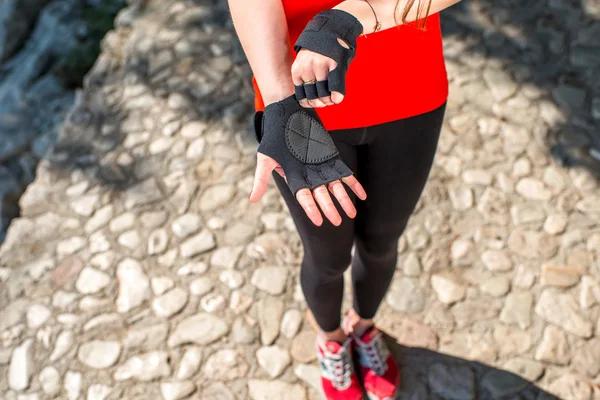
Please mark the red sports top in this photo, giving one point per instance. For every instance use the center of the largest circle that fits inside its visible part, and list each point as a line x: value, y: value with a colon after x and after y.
x: 397, y: 72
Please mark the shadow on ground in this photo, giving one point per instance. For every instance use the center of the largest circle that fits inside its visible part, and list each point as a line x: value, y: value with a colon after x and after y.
x: 429, y: 375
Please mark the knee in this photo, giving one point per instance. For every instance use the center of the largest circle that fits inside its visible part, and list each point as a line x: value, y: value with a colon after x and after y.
x: 324, y: 267
x: 378, y: 250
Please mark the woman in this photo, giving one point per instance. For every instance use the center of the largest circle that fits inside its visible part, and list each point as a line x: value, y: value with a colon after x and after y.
x: 350, y: 92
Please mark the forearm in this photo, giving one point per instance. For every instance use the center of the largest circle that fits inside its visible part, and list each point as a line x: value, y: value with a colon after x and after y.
x: 385, y: 11
x: 262, y: 29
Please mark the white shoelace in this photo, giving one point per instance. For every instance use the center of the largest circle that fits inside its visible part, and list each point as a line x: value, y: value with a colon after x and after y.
x: 374, y: 354
x: 337, y: 367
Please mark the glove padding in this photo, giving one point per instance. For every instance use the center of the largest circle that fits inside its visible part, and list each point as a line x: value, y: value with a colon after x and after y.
x: 295, y: 137
x: 321, y: 36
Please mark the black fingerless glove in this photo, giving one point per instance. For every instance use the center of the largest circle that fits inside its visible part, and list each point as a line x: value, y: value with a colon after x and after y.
x: 321, y: 36
x: 295, y: 137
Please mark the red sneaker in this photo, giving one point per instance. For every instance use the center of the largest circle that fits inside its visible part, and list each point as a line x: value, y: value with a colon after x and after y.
x: 338, y: 377
x: 378, y: 368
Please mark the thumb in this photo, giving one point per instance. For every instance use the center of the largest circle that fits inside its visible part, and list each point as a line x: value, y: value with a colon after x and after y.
x: 337, y: 97
x: 262, y: 175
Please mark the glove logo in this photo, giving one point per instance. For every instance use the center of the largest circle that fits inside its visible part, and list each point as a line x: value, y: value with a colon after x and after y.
x: 308, y: 140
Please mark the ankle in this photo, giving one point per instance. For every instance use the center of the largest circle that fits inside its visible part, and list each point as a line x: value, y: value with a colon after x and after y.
x: 336, y: 336
x: 362, y: 327
x: 355, y: 325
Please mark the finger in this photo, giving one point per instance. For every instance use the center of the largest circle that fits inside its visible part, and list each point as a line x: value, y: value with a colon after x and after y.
x: 297, y: 70
x: 321, y: 194
x: 306, y: 200
x: 321, y: 72
x: 308, y: 75
x: 338, y: 190
x: 337, y: 97
x: 356, y: 187
x: 264, y: 167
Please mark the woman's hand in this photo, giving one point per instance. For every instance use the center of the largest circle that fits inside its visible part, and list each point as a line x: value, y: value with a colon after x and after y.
x: 309, y: 199
x: 313, y: 67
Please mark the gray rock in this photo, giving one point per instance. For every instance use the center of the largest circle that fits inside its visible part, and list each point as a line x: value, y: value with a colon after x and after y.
x: 201, y: 329
x: 225, y: 365
x: 553, y: 347
x: 186, y: 225
x: 560, y: 309
x: 143, y: 193
x: 273, y: 359
x: 147, y: 337
x: 290, y: 324
x: 517, y: 309
x: 201, y: 243
x: 216, y: 196
x: 226, y: 257
x: 270, y: 279
x: 134, y: 285
x: 405, y: 294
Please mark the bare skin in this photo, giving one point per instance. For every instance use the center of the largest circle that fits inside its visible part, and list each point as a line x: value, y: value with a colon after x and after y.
x: 262, y: 29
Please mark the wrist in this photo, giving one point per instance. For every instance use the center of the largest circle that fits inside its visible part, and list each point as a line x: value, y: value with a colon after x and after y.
x: 275, y: 94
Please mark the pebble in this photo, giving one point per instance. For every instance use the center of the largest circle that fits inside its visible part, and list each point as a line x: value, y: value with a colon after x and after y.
x: 193, y: 129
x: 270, y: 279
x: 242, y: 331
x: 147, y: 336
x: 477, y: 177
x: 21, y: 366
x: 560, y: 309
x: 37, y: 315
x: 290, y: 323
x: 72, y: 384
x: 186, y: 225
x: 201, y: 286
x: 201, y: 329
x: 303, y: 347
x: 461, y: 197
x: 273, y: 359
x: 153, y: 219
x: 196, y: 149
x: 193, y: 268
x: 411, y: 265
x: 553, y: 346
x: 212, y: 302
x: 225, y: 364
x: 198, y: 244
x: 130, y: 239
x: 98, y: 354
x: 91, y: 281
x: 144, y: 367
x: 98, y: 391
x: 259, y: 389
x: 64, y: 343
x: 525, y: 368
x: 526, y: 213
x: 270, y: 313
x: 233, y: 279
x: 170, y: 303
x: 496, y: 260
x: 226, y: 257
x: 99, y: 219
x: 405, y: 294
x: 161, y: 284
x: 417, y: 237
x: 569, y: 386
x: 49, y: 379
x: 122, y: 222
x: 533, y: 189
x: 216, y: 196
x: 240, y: 302
x: 177, y: 390
x: 448, y: 291
x: 190, y: 362
x: 555, y: 224
x: 158, y: 242
x: 560, y: 275
x: 590, y: 292
x: 497, y: 286
x: 70, y: 246
x: 134, y: 286
x: 517, y: 309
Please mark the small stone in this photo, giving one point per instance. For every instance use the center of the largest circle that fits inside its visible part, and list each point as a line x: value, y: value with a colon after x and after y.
x: 501, y: 84
x: 569, y: 386
x: 196, y: 149
x: 63, y: 300
x: 161, y: 284
x: 99, y: 243
x: 99, y: 354
x: 532, y: 245
x: 153, y: 219
x: 524, y: 277
x: 290, y: 324
x: 144, y: 367
x: 49, y: 379
x: 477, y: 177
x: 493, y: 205
x: 72, y: 384
x: 461, y: 197
x: 147, y: 336
x: 448, y: 291
x: 177, y: 390
x: 533, y: 189
x: 216, y: 223
x: 524, y: 367
x: 143, y: 193
x: 593, y: 243
x: 411, y: 265
x: 170, y: 303
x: 240, y: 302
x: 100, y: 219
x: 270, y: 279
x: 160, y: 145
x: 193, y: 268
x: 496, y: 260
x: 63, y: 344
x: 186, y: 225
x: 585, y: 359
x: 555, y: 224
x: 521, y: 168
x: 198, y: 244
x: 470, y: 311
x: 21, y: 366
x: 242, y: 332
x: 560, y: 275
x: 526, y: 213
x: 103, y: 320
x: 98, y: 391
x: 233, y: 279
x: 259, y: 389
x: 303, y: 347
x: 497, y: 286
x: 201, y: 286
x: 91, y: 281
x: 37, y: 315
x: 70, y: 246
x: 517, y: 309
x: 226, y: 257
x: 122, y: 222
x: 86, y: 205
x: 225, y: 365
x: 201, y: 329
x: 273, y: 359
x: 590, y: 292
x: 158, y: 242
x: 104, y: 260
x: 310, y: 374
x: 553, y: 346
x: 130, y: 239
x: 560, y: 309
x: 190, y: 362
x: 460, y: 249
x: 406, y: 295
x: 134, y: 286
x: 212, y: 302
x: 270, y: 312
x: 193, y: 129
x: 216, y: 196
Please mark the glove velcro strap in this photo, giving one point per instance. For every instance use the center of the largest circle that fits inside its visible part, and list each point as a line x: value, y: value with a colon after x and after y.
x: 337, y: 23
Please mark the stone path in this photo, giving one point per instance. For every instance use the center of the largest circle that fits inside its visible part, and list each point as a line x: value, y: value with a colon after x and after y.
x: 138, y: 269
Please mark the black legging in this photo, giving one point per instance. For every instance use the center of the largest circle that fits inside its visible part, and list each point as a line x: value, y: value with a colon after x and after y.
x: 392, y: 162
